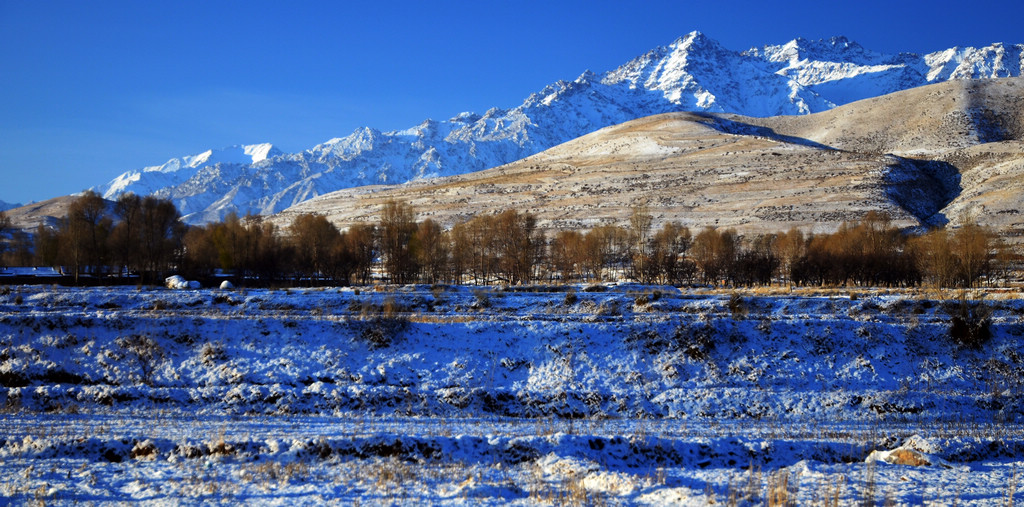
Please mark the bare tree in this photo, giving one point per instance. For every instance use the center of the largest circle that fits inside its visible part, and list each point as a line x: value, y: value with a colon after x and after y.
x: 124, y: 238
x: 714, y: 253
x: 397, y: 226
x: 5, y: 225
x: 640, y: 220
x: 517, y: 240
x: 567, y: 254
x: 361, y: 244
x: 668, y: 249
x: 972, y: 244
x: 160, y: 234
x: 431, y: 249
x: 314, y: 240
x: 83, y: 234
x: 788, y: 247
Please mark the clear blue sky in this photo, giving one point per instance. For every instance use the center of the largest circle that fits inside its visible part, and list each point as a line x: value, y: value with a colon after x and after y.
x: 89, y: 90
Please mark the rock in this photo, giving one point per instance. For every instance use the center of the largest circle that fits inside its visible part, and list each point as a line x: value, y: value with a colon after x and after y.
x: 179, y: 282
x: 227, y: 285
x: 907, y: 457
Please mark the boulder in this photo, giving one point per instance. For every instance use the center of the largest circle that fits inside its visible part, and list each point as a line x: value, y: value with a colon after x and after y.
x: 176, y: 282
x: 908, y: 457
x: 179, y: 282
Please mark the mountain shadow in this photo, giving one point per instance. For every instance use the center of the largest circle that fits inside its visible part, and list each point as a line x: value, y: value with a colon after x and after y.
x: 923, y: 188
x: 739, y: 128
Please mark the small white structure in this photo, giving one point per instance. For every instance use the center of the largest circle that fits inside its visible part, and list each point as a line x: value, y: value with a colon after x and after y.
x: 227, y: 285
x: 179, y: 282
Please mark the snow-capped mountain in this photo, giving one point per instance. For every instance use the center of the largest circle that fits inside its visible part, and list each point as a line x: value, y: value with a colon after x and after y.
x: 694, y: 73
x: 178, y: 170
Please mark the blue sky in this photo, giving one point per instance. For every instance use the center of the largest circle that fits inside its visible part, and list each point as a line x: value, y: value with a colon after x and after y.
x: 89, y: 90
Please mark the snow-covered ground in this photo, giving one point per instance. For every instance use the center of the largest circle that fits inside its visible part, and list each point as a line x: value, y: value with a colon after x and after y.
x: 619, y: 394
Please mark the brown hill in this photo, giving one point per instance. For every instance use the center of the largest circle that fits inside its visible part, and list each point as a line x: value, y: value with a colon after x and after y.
x: 924, y: 156
x: 31, y: 216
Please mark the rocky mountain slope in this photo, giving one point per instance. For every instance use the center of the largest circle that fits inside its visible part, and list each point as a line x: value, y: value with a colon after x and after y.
x: 925, y: 156
x: 694, y: 73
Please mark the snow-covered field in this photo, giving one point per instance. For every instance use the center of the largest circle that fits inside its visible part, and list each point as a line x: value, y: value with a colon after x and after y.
x: 618, y: 394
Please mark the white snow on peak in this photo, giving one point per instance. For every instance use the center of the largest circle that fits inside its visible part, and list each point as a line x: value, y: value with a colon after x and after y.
x: 693, y: 73
x: 260, y: 152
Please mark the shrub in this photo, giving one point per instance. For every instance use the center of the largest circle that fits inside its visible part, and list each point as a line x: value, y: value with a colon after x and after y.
x: 696, y: 341
x: 212, y: 353
x: 642, y: 300
x: 971, y: 322
x: 609, y: 308
x: 381, y: 332
x: 570, y: 298
x: 391, y: 308
x: 146, y: 351
x: 737, y: 306
x: 483, y: 299
x: 650, y: 340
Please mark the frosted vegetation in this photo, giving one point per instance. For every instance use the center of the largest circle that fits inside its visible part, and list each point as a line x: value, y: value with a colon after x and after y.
x: 578, y: 394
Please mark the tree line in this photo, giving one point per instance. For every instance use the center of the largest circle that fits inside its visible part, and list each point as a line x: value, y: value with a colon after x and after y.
x: 134, y: 235
x: 143, y: 237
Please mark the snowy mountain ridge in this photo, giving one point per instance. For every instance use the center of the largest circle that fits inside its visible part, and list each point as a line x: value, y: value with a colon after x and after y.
x: 694, y: 73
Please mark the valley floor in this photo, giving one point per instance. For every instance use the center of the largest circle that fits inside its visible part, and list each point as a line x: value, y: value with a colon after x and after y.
x: 295, y: 460
x: 616, y: 394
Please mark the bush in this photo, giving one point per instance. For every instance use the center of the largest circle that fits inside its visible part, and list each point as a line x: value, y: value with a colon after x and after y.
x: 650, y: 340
x: 737, y: 306
x: 696, y: 341
x: 971, y: 322
x: 146, y: 351
x: 609, y: 308
x: 380, y: 326
x: 392, y: 309
x: 483, y: 299
x: 641, y: 300
x: 570, y: 298
x: 382, y: 332
x: 213, y: 353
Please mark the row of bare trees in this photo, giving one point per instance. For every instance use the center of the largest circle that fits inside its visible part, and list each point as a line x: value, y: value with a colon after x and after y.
x: 488, y: 249
x: 311, y: 250
x: 140, y: 235
x: 145, y: 236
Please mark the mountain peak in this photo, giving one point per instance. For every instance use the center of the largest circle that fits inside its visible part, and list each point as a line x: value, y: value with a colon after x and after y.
x: 696, y: 41
x: 586, y: 77
x: 693, y: 73
x: 695, y: 36
x: 260, y: 152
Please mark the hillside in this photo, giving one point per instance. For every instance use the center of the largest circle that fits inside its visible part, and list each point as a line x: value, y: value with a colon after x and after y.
x: 693, y: 73
x: 924, y: 156
x: 31, y: 216
x: 446, y: 395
